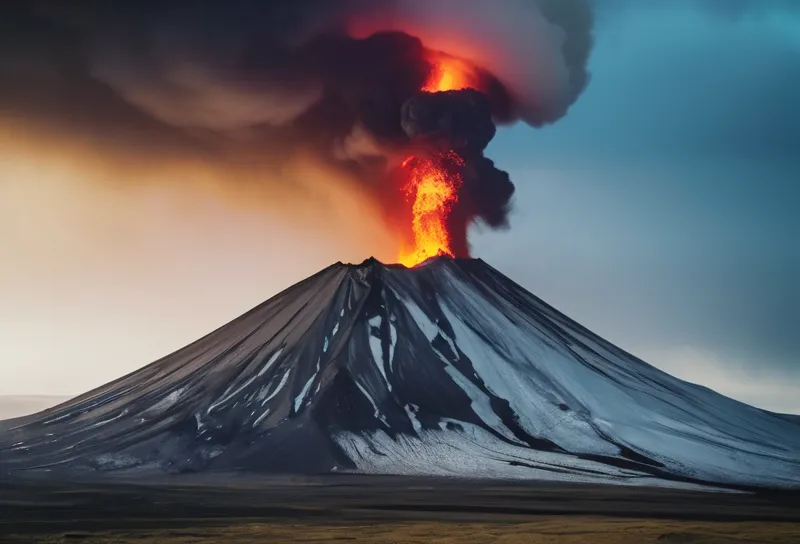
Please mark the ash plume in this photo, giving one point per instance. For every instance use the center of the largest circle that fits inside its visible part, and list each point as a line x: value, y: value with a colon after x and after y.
x: 338, y: 79
x: 460, y: 120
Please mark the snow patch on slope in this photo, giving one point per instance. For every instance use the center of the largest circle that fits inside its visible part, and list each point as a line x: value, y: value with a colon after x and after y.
x: 475, y: 453
x: 299, y: 399
x: 164, y: 404
x: 270, y: 362
x: 376, y: 349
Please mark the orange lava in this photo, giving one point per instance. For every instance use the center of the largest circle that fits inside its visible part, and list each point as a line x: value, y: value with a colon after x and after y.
x: 433, y: 182
x: 433, y: 189
x: 449, y: 74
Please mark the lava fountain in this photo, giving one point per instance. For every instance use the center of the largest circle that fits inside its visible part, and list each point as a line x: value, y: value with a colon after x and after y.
x: 434, y: 181
x: 433, y: 186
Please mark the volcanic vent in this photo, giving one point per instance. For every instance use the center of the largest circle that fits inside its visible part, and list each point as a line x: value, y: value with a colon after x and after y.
x: 446, y: 368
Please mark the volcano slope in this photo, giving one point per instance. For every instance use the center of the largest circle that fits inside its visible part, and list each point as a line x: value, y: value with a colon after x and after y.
x: 449, y: 368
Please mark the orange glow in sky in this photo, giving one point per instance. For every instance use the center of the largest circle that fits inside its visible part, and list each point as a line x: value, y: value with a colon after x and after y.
x: 449, y: 74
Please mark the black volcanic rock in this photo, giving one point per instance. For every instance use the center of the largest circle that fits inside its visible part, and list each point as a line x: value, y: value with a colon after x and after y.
x: 447, y: 368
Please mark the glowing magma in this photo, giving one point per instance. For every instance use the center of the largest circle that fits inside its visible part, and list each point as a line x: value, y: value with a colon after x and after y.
x: 433, y: 186
x: 434, y: 181
x: 449, y: 74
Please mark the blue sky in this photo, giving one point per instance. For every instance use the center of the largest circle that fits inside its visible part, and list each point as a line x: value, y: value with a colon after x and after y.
x: 662, y: 212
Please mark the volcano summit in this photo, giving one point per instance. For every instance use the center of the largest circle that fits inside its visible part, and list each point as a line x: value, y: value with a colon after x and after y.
x: 448, y: 368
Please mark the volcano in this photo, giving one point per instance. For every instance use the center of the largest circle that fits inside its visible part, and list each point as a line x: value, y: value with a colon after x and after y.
x: 447, y: 368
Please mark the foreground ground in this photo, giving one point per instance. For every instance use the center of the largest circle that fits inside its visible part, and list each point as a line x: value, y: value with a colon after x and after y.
x: 383, y: 510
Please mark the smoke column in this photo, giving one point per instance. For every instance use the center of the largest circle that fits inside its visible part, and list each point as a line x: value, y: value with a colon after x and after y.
x: 347, y: 82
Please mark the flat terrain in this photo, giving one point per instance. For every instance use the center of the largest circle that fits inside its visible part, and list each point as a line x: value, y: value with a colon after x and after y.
x: 236, y: 509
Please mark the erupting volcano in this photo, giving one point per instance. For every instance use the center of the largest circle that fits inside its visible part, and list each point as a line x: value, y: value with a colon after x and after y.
x: 443, y: 366
x: 448, y: 368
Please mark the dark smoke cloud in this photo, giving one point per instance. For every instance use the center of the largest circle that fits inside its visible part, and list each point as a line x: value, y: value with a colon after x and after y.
x: 458, y: 120
x: 462, y: 121
x: 338, y: 78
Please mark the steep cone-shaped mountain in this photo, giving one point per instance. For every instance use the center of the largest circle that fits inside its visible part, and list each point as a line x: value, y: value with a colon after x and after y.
x: 448, y: 368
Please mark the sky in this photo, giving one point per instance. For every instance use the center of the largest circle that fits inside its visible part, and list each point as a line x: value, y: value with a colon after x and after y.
x: 661, y: 212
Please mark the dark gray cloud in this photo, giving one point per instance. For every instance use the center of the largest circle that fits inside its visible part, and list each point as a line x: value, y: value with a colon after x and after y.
x: 277, y: 78
x: 222, y: 67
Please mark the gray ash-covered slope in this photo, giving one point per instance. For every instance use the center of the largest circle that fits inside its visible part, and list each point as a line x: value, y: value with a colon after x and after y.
x: 449, y: 368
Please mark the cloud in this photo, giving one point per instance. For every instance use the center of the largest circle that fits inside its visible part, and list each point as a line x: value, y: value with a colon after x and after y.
x: 272, y: 83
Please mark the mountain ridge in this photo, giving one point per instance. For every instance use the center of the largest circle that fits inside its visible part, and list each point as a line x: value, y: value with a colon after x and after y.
x: 448, y: 368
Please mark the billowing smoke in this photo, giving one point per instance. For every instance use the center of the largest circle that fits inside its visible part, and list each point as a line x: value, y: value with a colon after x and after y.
x: 461, y: 121
x: 337, y: 80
